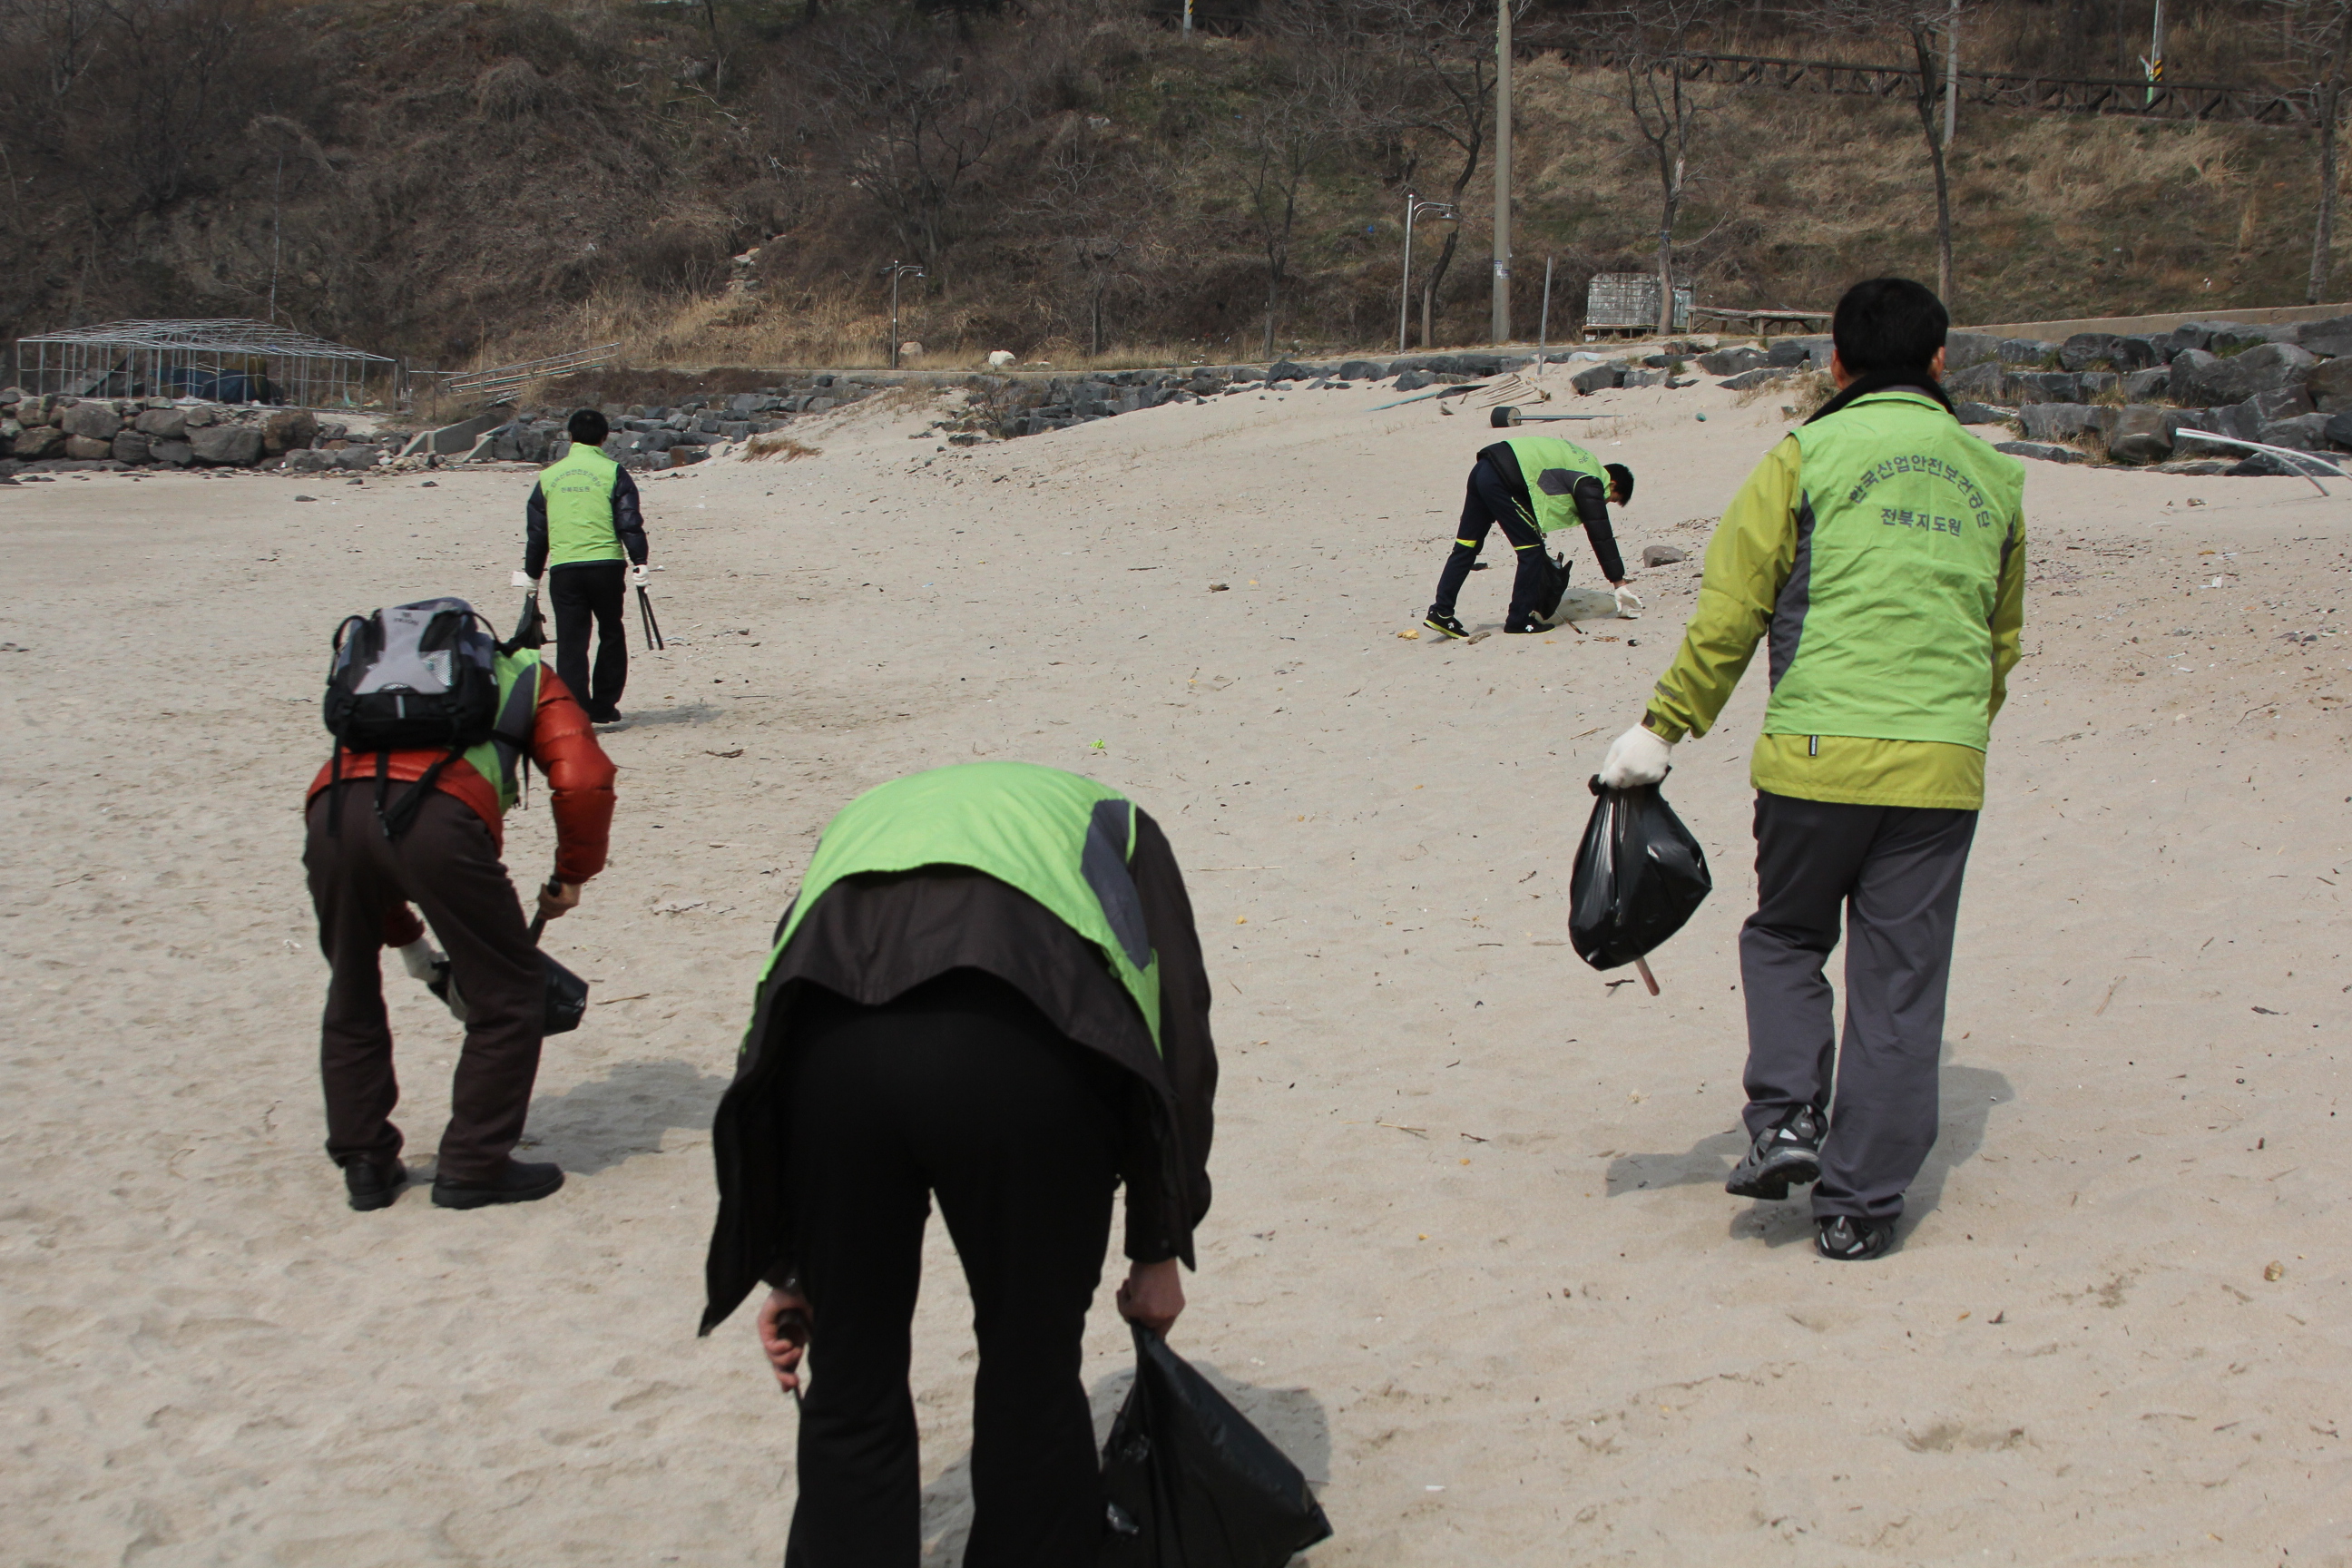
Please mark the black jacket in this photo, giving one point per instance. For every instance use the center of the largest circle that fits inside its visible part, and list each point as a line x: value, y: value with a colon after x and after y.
x: 1592, y: 506
x: 628, y: 525
x: 872, y: 937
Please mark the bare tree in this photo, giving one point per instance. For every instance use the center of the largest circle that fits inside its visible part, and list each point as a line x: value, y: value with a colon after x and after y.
x: 2318, y: 34
x: 1097, y: 202
x: 1440, y: 88
x: 1650, y: 40
x: 1278, y: 141
x: 1919, y: 25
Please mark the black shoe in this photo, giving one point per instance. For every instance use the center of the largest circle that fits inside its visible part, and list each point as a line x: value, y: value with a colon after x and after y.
x: 518, y: 1184
x: 1784, y: 1156
x: 604, y: 715
x: 1444, y: 625
x: 1852, y: 1240
x: 373, y: 1186
x: 1523, y: 628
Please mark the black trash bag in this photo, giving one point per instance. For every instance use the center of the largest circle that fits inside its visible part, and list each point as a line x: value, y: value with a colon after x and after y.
x: 1188, y: 1483
x: 1639, y: 875
x: 567, y: 993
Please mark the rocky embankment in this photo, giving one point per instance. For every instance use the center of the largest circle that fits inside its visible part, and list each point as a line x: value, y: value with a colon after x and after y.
x: 43, y: 434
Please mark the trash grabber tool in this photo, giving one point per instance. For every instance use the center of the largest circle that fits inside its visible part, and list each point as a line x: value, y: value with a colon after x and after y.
x: 653, y: 627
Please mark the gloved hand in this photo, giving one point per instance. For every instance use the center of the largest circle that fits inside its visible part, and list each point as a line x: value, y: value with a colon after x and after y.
x: 1629, y: 604
x: 1639, y: 756
x: 640, y: 574
x: 419, y: 959
x: 523, y: 579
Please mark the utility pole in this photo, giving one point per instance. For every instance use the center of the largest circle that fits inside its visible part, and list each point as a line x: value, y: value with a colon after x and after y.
x: 1502, y: 321
x: 1188, y: 18
x: 1413, y: 208
x: 2154, y: 64
x: 898, y: 269
x: 1952, y: 73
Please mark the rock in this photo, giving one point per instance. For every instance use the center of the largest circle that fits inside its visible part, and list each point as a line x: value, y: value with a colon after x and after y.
x: 311, y: 460
x: 129, y: 447
x: 1662, y: 555
x: 2143, y: 385
x: 2095, y: 385
x: 1987, y: 379
x: 744, y: 403
x: 168, y: 424
x: 2136, y: 353
x: 84, y: 447
x: 1414, y: 380
x: 1982, y: 413
x: 2037, y: 449
x: 2087, y: 350
x: 1732, y: 361
x: 2060, y: 421
x: 357, y: 457
x: 680, y: 454
x: 171, y: 454
x: 1756, y: 377
x: 2239, y: 419
x: 2330, y: 384
x: 1289, y: 370
x: 907, y: 351
x: 284, y: 429
x: 2264, y: 465
x: 2267, y: 365
x: 998, y: 359
x: 2338, y: 429
x: 2029, y: 352
x: 227, y: 445
x: 1962, y: 350
x: 2143, y: 434
x: 92, y: 421
x: 2280, y: 403
x: 1361, y: 370
x: 2202, y: 378
x: 2303, y: 432
x: 1789, y: 353
x: 1595, y: 378
x: 2046, y: 386
x: 41, y: 410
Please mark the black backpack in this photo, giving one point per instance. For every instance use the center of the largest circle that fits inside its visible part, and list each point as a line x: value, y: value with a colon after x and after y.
x: 410, y: 676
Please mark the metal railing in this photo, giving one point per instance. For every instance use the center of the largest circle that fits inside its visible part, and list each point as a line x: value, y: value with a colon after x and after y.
x: 507, y: 377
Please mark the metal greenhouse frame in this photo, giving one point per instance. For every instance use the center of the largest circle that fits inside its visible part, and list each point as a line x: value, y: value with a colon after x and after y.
x: 218, y: 361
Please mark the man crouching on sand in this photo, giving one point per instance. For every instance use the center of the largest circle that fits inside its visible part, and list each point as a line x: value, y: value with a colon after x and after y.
x: 989, y: 989
x: 1881, y: 547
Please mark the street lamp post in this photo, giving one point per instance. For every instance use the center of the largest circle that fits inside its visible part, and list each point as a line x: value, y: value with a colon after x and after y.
x: 1413, y: 208
x: 898, y: 269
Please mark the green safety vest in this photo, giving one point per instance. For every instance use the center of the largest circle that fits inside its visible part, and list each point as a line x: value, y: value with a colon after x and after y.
x: 577, y: 489
x: 1551, y: 467
x: 1883, y: 631
x: 499, y: 757
x: 1064, y: 840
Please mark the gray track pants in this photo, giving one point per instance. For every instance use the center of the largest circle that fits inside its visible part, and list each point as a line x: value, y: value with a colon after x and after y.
x: 1897, y: 871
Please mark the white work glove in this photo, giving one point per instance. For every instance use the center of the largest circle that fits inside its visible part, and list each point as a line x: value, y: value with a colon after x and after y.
x: 1629, y: 604
x: 419, y: 959
x: 523, y: 579
x: 1636, y: 757
x: 640, y: 574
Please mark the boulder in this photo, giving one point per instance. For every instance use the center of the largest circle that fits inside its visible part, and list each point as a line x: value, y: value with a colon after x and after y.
x: 2202, y: 378
x: 1987, y: 379
x: 2266, y: 466
x: 227, y: 445
x: 1789, y: 353
x: 1732, y: 361
x: 1412, y: 380
x: 37, y: 410
x: 2135, y: 354
x: 2061, y: 421
x: 1962, y: 350
x: 2339, y: 429
x: 92, y: 421
x: 311, y: 460
x: 284, y: 429
x: 744, y: 403
x: 2087, y: 350
x: 1596, y: 378
x: 1289, y: 370
x: 679, y: 455
x: 168, y: 424
x: 2235, y: 337
x: 2046, y: 386
x: 2280, y: 403
x: 2330, y: 384
x: 87, y: 449
x: 38, y: 441
x: 1756, y: 377
x: 2031, y: 353
x: 171, y: 454
x: 2239, y: 419
x: 2143, y: 434
x: 1662, y: 555
x: 2271, y: 365
x: 2046, y: 453
x: 358, y: 458
x: 2302, y: 433
x: 2141, y: 385
x: 130, y: 446
x: 2096, y: 384
x: 1353, y: 370
x: 1982, y: 412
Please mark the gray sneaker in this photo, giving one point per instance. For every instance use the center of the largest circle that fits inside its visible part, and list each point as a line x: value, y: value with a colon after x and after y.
x: 1786, y: 1154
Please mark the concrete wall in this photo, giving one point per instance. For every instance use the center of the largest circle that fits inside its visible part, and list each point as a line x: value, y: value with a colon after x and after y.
x: 2130, y: 326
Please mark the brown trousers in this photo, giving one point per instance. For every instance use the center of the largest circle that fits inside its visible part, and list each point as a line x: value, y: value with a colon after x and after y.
x: 447, y: 865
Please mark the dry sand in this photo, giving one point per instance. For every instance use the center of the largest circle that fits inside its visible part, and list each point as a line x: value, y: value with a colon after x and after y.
x: 1470, y: 1259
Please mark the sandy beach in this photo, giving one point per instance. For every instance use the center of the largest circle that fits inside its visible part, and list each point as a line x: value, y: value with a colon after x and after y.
x: 1470, y: 1261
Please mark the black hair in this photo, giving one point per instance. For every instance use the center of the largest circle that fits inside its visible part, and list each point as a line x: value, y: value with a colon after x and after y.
x: 1887, y: 331
x: 1621, y: 480
x: 588, y: 425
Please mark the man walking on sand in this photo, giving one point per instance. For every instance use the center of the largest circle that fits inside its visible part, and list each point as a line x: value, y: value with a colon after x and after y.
x: 424, y: 825
x: 990, y: 989
x: 1531, y: 486
x: 583, y: 525
x: 1881, y: 548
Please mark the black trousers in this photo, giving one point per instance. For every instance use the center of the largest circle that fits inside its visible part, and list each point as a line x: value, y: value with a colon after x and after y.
x: 447, y: 865
x: 1492, y: 501
x: 1896, y: 872
x: 959, y: 1088
x: 578, y: 592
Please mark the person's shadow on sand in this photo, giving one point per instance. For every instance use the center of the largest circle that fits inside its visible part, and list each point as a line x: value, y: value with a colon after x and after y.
x: 1967, y: 1095
x: 1291, y: 1418
x: 595, y: 1125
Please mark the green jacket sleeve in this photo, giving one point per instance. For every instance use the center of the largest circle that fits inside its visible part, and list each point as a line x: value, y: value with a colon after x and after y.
x: 1748, y: 559
x: 2007, y: 614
